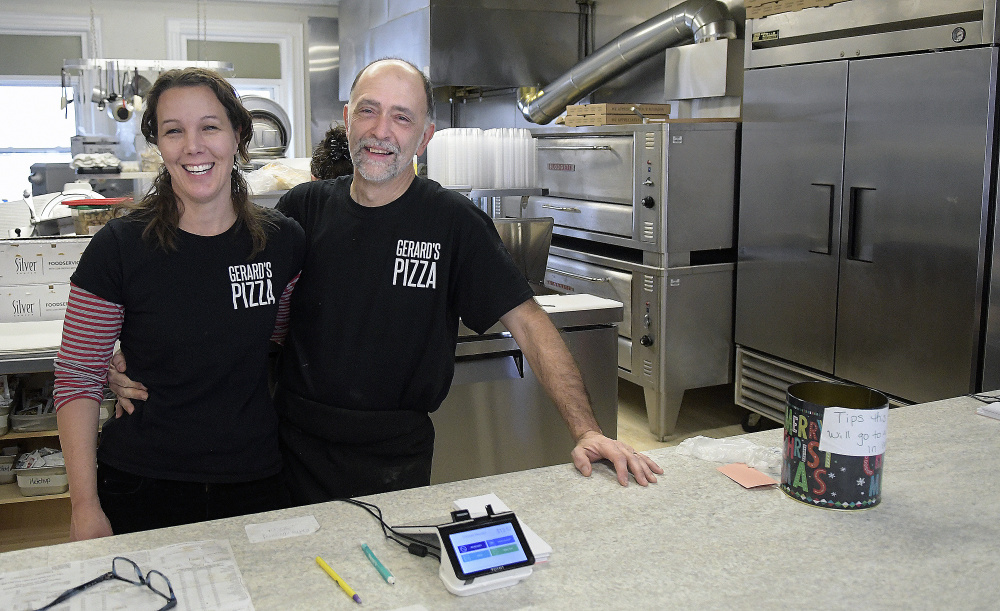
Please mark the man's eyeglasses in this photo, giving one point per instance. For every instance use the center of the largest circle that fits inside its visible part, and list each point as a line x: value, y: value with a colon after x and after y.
x: 125, y: 570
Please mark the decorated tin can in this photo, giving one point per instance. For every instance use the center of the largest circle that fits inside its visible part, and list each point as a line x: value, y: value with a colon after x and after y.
x: 834, y: 443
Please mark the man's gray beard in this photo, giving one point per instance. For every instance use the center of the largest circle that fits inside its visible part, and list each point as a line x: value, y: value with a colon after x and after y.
x: 382, y: 174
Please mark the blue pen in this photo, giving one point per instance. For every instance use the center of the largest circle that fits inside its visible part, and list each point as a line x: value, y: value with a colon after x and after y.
x: 384, y: 572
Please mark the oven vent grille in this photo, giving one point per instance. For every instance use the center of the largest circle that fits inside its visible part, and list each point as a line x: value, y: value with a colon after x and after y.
x: 761, y: 382
x: 650, y: 140
x: 647, y: 368
x: 648, y: 231
x: 648, y: 282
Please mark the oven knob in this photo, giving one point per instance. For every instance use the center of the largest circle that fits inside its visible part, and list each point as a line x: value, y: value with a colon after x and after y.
x: 648, y: 202
x: 646, y: 340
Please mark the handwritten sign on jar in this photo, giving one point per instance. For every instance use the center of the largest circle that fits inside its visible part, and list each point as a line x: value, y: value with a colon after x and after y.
x: 834, y: 443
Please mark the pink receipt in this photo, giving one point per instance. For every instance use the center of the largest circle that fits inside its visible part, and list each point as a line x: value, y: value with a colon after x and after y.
x: 748, y: 477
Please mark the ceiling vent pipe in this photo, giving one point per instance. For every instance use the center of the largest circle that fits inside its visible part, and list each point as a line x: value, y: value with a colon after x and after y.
x: 702, y: 20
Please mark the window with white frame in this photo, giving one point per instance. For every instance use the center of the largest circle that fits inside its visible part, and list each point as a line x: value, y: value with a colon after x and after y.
x: 36, y: 128
x: 267, y: 60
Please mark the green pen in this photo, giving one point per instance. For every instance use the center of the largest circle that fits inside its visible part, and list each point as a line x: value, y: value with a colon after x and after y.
x: 384, y: 572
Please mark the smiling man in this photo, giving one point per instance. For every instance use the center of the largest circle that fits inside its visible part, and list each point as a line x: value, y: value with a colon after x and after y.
x: 394, y: 261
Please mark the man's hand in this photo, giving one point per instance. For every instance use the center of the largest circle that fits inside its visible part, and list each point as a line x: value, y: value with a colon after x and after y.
x: 124, y: 388
x: 88, y: 522
x: 593, y: 446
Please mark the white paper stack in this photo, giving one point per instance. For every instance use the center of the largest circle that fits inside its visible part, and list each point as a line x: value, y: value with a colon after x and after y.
x: 990, y: 411
x: 476, y: 506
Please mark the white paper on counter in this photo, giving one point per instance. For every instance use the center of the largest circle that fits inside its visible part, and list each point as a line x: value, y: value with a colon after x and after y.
x: 203, y: 574
x: 990, y: 411
x: 282, y: 529
x: 854, y: 432
x: 476, y: 505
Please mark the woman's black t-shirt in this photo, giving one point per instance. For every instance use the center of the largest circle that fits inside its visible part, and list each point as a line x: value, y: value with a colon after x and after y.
x: 196, y: 331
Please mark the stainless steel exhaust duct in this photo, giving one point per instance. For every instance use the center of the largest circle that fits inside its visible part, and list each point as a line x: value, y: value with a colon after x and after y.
x: 702, y: 20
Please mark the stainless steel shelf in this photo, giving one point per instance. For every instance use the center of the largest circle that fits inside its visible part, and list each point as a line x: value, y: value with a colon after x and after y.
x: 32, y: 362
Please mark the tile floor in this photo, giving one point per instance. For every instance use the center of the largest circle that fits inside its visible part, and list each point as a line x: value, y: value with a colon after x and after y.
x: 706, y: 411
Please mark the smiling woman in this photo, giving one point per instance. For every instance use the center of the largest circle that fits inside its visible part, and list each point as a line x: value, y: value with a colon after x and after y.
x: 188, y: 281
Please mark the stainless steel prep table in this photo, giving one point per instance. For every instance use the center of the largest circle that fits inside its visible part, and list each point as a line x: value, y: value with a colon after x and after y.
x: 695, y: 540
x: 497, y: 418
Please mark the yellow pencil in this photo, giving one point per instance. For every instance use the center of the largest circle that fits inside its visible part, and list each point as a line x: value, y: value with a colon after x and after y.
x: 340, y: 582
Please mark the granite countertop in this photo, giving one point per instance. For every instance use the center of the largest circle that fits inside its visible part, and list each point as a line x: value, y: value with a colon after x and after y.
x: 695, y: 540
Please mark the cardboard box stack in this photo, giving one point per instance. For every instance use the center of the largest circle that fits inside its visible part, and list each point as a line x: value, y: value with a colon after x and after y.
x: 763, y: 8
x: 579, y: 115
x: 34, y: 277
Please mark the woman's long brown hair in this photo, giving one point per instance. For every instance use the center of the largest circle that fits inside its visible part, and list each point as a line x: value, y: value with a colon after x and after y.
x: 159, y: 207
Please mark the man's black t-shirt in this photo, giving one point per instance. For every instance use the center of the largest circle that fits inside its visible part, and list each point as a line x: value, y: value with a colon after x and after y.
x: 374, y: 318
x: 196, y: 331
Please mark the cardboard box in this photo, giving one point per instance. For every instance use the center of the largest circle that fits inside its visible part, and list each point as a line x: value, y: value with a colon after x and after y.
x: 618, y: 109
x: 33, y: 302
x: 40, y: 260
x: 764, y: 8
x: 588, y: 120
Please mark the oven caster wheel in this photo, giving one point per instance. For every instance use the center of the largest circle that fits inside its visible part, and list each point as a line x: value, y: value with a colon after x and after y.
x: 752, y: 422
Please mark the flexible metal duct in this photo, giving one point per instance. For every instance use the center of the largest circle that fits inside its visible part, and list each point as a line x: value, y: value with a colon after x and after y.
x: 702, y: 20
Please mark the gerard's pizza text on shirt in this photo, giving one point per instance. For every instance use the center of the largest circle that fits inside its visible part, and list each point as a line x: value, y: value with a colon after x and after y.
x: 251, y: 285
x: 416, y: 264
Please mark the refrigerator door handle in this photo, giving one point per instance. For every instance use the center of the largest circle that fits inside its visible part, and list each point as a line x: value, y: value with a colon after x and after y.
x: 856, y: 250
x: 825, y: 250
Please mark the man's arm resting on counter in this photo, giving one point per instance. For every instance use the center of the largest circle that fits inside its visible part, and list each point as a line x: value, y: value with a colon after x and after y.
x: 77, y: 421
x: 552, y: 362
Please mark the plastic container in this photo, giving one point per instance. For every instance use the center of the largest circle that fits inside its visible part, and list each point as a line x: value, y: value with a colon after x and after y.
x: 7, y: 475
x: 29, y: 423
x: 42, y: 480
x: 87, y: 220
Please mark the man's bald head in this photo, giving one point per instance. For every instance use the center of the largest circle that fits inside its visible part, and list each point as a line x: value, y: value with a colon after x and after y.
x: 428, y: 92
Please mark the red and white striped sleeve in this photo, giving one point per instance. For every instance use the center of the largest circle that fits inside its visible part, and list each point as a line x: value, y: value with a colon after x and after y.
x: 284, y: 305
x: 90, y: 330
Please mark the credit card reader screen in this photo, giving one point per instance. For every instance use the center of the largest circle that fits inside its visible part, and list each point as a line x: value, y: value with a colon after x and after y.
x: 486, y: 546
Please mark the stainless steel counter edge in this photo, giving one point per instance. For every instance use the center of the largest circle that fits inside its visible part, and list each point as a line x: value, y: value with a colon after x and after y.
x: 599, y: 311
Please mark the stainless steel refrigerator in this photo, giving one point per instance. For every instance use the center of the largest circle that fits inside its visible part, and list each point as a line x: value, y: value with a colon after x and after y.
x: 868, y: 185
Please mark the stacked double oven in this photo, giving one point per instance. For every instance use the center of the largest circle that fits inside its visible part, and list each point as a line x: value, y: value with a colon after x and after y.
x: 644, y: 214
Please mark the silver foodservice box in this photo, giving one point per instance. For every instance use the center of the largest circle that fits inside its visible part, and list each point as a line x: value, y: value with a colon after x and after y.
x: 32, y: 302
x: 39, y: 260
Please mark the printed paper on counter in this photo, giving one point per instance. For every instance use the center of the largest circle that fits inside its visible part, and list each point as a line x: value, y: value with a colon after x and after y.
x: 282, y: 529
x: 204, y: 576
x: 854, y: 432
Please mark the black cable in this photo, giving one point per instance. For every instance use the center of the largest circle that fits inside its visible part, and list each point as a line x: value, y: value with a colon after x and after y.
x: 983, y: 397
x: 412, y: 545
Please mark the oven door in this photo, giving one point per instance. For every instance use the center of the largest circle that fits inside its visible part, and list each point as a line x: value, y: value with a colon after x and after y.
x: 588, y: 215
x: 569, y: 276
x: 599, y: 168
